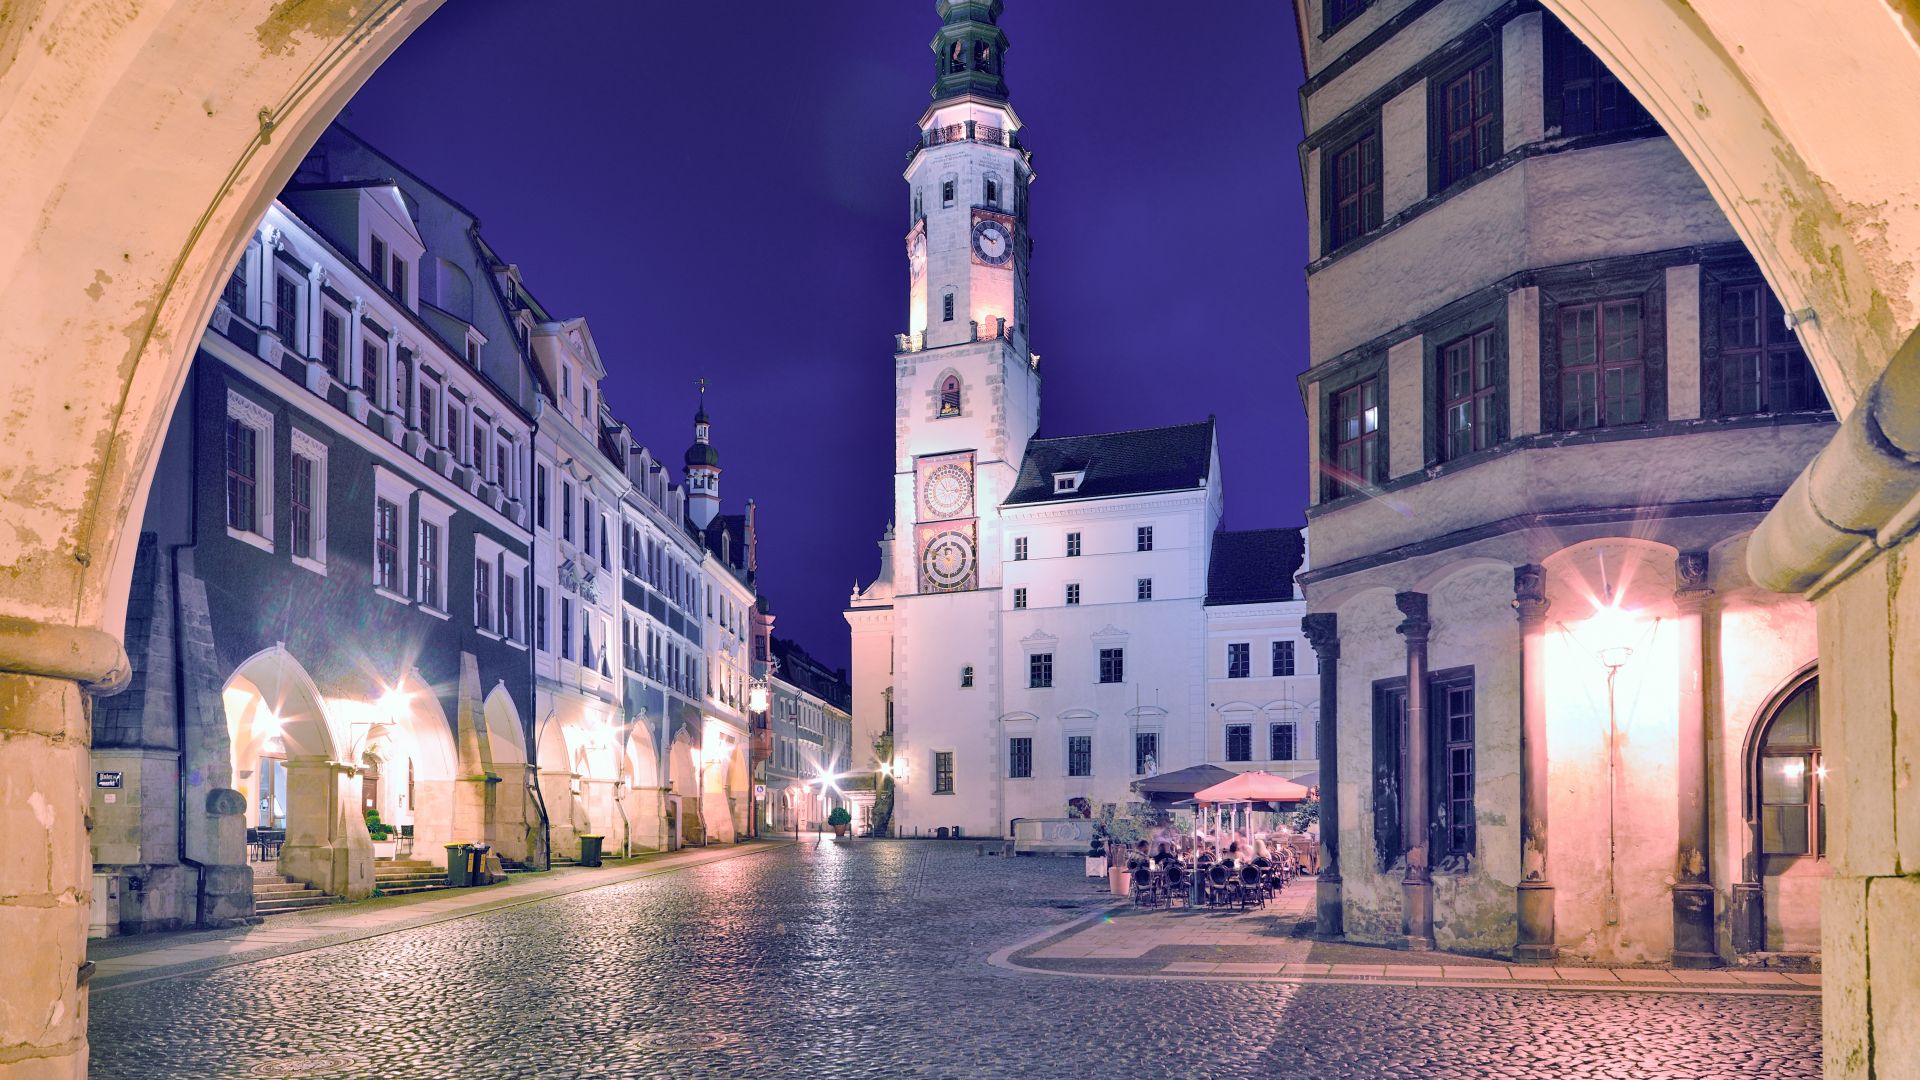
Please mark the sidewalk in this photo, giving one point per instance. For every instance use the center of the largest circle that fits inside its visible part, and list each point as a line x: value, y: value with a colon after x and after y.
x: 1271, y: 944
x: 142, y: 958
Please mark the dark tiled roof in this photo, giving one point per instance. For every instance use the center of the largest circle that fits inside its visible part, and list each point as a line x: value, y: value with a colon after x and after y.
x: 1255, y: 566
x: 1121, y: 463
x: 800, y: 669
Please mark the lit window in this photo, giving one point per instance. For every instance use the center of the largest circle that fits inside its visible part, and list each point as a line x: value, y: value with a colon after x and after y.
x: 1470, y: 401
x: 1356, y: 439
x: 950, y: 396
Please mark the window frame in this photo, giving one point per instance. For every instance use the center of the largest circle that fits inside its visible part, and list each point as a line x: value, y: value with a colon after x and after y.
x: 1072, y: 598
x: 305, y: 447
x: 1040, y: 671
x: 257, y: 419
x: 1335, y: 476
x: 1019, y: 757
x: 1284, y: 660
x: 1140, y: 759
x: 1074, y: 545
x: 1275, y: 728
x: 943, y: 772
x: 1717, y: 285
x: 1584, y: 287
x: 1336, y: 14
x: 1558, y: 47
x: 1020, y: 598
x: 439, y: 516
x: 1228, y: 732
x: 1142, y: 590
x: 1112, y: 662
x: 1143, y: 538
x: 393, y: 489
x: 1484, y: 400
x: 1239, y: 659
x: 1019, y: 549
x: 1368, y: 195
x: 1483, y: 128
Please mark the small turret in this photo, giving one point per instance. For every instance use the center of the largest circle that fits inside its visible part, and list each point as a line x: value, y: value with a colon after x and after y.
x: 969, y: 49
x: 703, y: 468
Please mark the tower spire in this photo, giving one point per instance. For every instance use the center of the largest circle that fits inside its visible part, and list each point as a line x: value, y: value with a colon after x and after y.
x: 703, y: 467
x: 969, y: 50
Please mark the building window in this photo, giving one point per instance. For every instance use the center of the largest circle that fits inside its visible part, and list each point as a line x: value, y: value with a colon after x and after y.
x: 333, y: 330
x: 1470, y: 404
x: 386, y: 545
x: 1389, y: 751
x: 1143, y: 538
x: 1020, y: 757
x: 1019, y: 549
x: 502, y: 466
x: 1790, y: 779
x: 1582, y: 96
x: 1113, y: 665
x: 286, y: 310
x: 540, y: 495
x: 946, y: 307
x: 1146, y: 752
x: 483, y: 594
x: 566, y: 511
x: 397, y: 281
x: 1469, y: 124
x: 1353, y: 191
x: 1340, y: 12
x: 1143, y: 588
x: 428, y: 413
x: 246, y: 469
x: 456, y: 427
x: 943, y: 772
x: 1039, y: 671
x: 606, y: 560
x: 510, y: 609
x: 966, y: 676
x: 1281, y: 744
x: 1019, y: 598
x: 1356, y: 438
x: 566, y: 628
x: 1239, y: 659
x: 993, y: 192
x: 1453, y: 723
x: 1073, y: 594
x: 1079, y: 755
x: 235, y: 294
x: 377, y: 260
x: 1073, y: 545
x: 1239, y: 742
x: 1762, y: 367
x: 946, y: 192
x: 402, y: 402
x: 540, y: 602
x: 308, y: 499
x: 586, y: 526
x: 370, y: 370
x: 1283, y: 658
x: 1602, y: 374
x: 430, y: 561
x: 950, y: 396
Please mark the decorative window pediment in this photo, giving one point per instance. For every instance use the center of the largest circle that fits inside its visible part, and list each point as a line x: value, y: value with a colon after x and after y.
x: 1039, y: 639
x: 1110, y: 635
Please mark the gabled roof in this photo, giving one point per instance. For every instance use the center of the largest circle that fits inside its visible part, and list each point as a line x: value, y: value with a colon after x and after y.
x: 1174, y: 458
x: 1255, y: 566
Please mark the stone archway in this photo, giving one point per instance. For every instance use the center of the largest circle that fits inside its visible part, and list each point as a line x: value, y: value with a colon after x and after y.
x: 558, y: 790
x: 510, y: 816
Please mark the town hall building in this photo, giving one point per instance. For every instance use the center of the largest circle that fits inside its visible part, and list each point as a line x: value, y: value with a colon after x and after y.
x: 1046, y: 627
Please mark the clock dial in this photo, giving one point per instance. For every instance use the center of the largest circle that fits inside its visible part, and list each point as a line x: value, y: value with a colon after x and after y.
x: 992, y: 242
x: 948, y: 491
x: 947, y: 562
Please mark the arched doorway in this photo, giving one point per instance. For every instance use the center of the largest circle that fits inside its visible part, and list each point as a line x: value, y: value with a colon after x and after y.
x: 559, y: 789
x: 511, y: 816
x: 1785, y: 781
x: 403, y: 738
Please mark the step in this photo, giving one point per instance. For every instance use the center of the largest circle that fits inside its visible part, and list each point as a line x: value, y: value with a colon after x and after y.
x: 411, y: 881
x: 280, y: 890
x: 402, y: 890
x: 313, y: 899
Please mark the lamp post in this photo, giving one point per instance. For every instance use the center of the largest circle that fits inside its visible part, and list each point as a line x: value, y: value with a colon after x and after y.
x: 758, y: 699
x: 1609, y: 630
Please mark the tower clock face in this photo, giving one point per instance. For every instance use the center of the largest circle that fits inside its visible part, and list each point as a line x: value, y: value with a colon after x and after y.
x: 992, y: 242
x: 917, y: 256
x: 949, y: 491
x: 947, y: 561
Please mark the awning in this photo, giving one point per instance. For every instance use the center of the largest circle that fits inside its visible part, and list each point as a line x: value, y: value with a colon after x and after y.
x: 1253, y: 787
x: 1168, y: 788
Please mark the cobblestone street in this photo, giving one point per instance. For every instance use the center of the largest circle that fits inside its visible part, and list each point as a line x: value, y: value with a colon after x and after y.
x: 871, y: 960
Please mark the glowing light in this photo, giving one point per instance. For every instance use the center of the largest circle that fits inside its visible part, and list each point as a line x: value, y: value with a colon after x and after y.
x: 393, y: 703
x: 757, y: 697
x: 1794, y: 770
x: 1609, y: 632
x: 1821, y: 772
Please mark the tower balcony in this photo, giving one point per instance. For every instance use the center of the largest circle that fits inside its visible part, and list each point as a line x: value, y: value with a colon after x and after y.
x: 995, y: 329
x: 969, y: 131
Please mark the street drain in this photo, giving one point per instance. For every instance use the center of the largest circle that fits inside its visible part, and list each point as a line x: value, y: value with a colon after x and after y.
x: 684, y: 1040
x: 308, y: 1065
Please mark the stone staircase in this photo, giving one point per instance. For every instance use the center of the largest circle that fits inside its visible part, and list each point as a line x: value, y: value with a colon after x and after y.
x: 277, y: 895
x: 398, y: 877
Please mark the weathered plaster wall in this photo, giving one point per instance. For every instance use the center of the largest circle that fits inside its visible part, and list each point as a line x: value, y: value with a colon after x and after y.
x: 1370, y: 649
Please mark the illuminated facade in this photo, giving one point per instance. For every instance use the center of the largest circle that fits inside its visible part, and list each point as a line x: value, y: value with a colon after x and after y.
x: 1546, y: 381
x: 1039, y: 631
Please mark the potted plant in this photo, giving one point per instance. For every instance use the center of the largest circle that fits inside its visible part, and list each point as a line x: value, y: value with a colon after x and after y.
x: 384, y: 845
x: 840, y: 820
x: 1097, y: 858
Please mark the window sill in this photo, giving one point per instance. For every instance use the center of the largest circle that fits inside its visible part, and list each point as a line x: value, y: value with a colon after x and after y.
x: 316, y: 565
x: 521, y: 645
x: 391, y: 595
x: 252, y: 538
x: 485, y: 633
x: 433, y: 611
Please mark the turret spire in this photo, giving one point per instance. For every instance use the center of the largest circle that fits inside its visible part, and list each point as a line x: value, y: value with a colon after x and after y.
x: 703, y: 468
x: 969, y: 50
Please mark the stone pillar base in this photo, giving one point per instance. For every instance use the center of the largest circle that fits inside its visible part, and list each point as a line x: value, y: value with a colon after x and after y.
x: 1693, y: 934
x: 1534, y: 905
x: 1329, y: 913
x: 1746, y: 918
x: 1416, y: 919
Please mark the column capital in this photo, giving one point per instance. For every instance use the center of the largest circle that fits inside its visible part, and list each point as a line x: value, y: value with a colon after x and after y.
x: 1417, y: 626
x: 1323, y: 633
x: 1530, y: 602
x: 1690, y: 580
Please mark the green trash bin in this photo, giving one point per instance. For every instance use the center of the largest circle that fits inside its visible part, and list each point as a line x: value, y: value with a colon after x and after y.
x: 590, y: 850
x: 459, y: 873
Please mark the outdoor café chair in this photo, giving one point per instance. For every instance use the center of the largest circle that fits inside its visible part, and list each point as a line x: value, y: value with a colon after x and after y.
x: 1253, y: 886
x: 1176, y: 884
x: 1145, y: 892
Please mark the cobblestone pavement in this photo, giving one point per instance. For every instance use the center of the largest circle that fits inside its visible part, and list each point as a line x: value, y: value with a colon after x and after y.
x: 870, y: 960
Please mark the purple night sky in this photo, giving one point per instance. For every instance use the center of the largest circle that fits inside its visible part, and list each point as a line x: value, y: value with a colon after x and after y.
x: 716, y: 187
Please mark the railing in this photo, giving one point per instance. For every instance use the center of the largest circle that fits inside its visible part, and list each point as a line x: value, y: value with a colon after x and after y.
x: 968, y: 131
x: 993, y: 330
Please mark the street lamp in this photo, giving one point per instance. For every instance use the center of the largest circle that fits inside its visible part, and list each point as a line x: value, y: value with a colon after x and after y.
x: 1611, y: 634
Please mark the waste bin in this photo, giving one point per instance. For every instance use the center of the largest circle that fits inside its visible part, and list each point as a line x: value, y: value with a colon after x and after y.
x: 477, y: 865
x: 459, y: 866
x: 590, y: 850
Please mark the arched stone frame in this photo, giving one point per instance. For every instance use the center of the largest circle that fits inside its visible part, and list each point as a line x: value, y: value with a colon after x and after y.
x: 555, y: 776
x: 937, y: 395
x: 411, y: 728
x: 1749, y: 916
x: 513, y: 820
x: 645, y: 806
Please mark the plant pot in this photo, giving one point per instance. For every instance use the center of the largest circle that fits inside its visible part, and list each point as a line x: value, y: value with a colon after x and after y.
x: 386, y: 849
x: 1117, y: 880
x: 840, y: 832
x: 1096, y: 866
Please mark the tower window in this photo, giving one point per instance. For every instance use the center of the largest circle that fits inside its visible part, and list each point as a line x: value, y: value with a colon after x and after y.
x: 1352, y: 190
x: 950, y: 395
x: 983, y: 56
x: 993, y: 191
x: 946, y: 191
x: 946, y: 308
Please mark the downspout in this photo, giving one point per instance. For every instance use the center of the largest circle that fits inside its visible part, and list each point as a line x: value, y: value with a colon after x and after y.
x: 533, y: 678
x: 179, y: 665
x: 540, y: 799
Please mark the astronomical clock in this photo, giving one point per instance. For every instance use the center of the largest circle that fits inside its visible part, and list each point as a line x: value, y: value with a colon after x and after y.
x: 992, y: 237
x: 946, y: 537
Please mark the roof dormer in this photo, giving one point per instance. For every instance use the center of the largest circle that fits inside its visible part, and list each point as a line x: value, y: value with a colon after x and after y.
x: 1068, y: 482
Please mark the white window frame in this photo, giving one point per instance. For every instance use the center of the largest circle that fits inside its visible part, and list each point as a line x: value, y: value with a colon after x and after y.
x: 519, y: 633
x: 440, y: 515
x: 254, y: 415
x: 487, y: 550
x: 395, y: 489
x: 315, y: 451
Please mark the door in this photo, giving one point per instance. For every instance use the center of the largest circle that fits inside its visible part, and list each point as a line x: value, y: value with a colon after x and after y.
x: 1789, y: 779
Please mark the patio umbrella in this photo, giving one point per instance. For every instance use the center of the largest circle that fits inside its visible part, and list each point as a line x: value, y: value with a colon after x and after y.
x: 1252, y: 787
x: 1166, y: 789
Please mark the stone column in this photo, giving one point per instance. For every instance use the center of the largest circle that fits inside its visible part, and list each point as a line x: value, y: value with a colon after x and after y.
x: 46, y: 674
x: 1416, y: 913
x: 1693, y: 919
x: 327, y: 844
x: 1323, y: 633
x: 1535, y: 894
